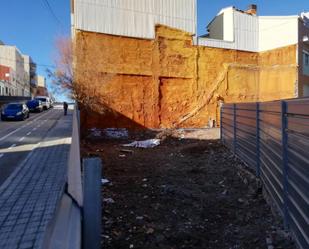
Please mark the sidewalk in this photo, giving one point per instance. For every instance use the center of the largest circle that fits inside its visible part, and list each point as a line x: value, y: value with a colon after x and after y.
x: 30, y: 196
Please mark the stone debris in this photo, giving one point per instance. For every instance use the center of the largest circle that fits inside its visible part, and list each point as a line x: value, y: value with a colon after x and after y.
x: 104, y: 181
x: 108, y: 200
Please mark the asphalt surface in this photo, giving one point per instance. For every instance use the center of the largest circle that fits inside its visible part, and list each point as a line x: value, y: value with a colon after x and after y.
x: 33, y: 174
x: 19, y: 138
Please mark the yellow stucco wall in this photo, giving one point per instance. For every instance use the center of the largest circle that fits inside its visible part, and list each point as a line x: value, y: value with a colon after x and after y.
x: 168, y: 82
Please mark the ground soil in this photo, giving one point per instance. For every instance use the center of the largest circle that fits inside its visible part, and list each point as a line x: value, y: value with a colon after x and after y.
x: 188, y: 192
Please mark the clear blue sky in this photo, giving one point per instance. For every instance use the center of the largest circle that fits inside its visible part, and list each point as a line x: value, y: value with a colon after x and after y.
x: 30, y: 26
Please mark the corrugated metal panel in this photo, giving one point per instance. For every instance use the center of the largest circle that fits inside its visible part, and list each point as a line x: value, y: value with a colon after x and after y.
x: 134, y: 18
x: 246, y: 31
x: 215, y: 43
x: 277, y: 146
x: 246, y: 133
x: 298, y: 169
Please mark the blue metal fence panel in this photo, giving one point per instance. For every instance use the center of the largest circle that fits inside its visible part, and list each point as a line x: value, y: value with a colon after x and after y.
x: 227, y: 120
x: 246, y: 133
x: 273, y: 139
x: 298, y: 169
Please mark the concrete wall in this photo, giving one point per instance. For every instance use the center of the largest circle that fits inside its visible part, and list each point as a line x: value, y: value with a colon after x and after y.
x: 277, y: 31
x: 169, y: 82
x: 229, y: 25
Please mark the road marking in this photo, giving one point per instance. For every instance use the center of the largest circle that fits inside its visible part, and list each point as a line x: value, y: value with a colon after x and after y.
x: 34, y: 129
x: 28, y: 133
x: 12, y: 146
x: 14, y: 131
x: 21, y: 139
x: 1, y: 155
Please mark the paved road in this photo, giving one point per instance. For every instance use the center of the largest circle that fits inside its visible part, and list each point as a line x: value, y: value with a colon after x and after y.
x: 33, y: 171
x: 18, y: 138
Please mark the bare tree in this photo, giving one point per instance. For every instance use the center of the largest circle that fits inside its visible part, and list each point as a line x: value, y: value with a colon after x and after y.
x: 62, y: 75
x: 83, y: 85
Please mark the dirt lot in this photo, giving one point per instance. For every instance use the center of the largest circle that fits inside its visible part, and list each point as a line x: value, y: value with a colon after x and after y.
x: 188, y: 192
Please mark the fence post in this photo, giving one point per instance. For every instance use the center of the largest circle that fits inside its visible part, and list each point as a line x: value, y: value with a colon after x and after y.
x: 221, y: 136
x: 235, y: 129
x: 92, y: 203
x: 284, y: 137
x: 258, y: 161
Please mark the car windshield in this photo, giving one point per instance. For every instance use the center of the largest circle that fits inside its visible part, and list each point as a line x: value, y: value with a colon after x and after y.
x: 13, y: 106
x: 42, y: 99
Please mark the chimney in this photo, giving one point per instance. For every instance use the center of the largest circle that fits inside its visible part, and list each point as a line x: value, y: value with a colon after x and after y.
x: 252, y: 9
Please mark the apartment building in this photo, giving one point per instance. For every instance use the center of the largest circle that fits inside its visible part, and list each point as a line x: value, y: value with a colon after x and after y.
x: 41, y: 86
x: 22, y: 70
x: 41, y: 81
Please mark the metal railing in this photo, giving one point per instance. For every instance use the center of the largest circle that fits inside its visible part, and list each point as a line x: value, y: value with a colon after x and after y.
x: 272, y: 138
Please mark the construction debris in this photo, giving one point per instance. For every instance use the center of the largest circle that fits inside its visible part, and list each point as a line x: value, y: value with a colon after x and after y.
x: 104, y: 181
x: 174, y: 195
x: 150, y: 143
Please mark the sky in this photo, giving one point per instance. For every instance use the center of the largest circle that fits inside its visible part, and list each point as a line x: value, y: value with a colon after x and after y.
x: 31, y: 26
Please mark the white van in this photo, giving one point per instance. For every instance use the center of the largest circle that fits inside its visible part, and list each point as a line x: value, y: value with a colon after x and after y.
x: 45, y: 101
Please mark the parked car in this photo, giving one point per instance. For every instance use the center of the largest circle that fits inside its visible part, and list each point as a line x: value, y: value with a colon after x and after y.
x: 35, y: 105
x: 45, y: 101
x: 15, y: 111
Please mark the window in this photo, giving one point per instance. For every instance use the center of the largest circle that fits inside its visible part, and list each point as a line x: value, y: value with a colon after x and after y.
x: 306, y: 59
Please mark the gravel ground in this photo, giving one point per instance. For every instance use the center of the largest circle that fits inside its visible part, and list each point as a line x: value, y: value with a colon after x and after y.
x: 188, y: 192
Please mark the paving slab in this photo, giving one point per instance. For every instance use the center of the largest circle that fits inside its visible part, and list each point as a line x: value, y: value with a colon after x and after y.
x: 30, y: 196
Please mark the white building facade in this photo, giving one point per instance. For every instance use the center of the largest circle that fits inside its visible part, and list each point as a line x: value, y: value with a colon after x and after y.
x: 41, y: 81
x: 20, y: 66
